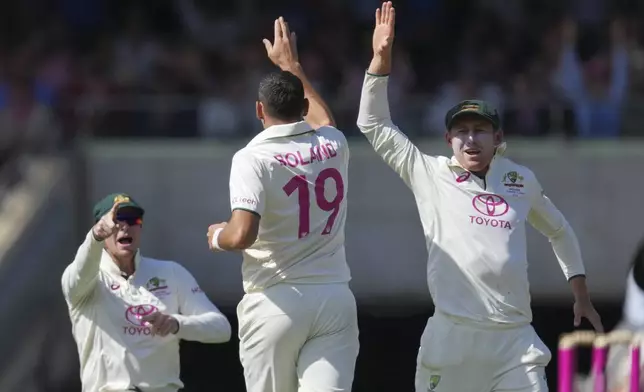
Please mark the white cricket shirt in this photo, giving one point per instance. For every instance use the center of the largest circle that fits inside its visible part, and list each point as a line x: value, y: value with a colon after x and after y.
x: 633, y: 309
x: 474, y: 228
x: 117, y: 350
x: 295, y: 178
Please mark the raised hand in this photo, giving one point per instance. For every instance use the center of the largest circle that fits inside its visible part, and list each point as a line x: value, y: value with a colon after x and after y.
x: 383, y: 32
x: 383, y: 40
x: 283, y: 50
x: 106, y: 226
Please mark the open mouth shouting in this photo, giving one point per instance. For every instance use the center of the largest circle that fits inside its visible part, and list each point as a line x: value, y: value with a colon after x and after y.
x: 125, y: 241
x: 473, y: 152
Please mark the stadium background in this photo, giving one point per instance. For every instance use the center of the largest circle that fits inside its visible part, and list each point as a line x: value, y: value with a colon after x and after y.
x: 154, y: 97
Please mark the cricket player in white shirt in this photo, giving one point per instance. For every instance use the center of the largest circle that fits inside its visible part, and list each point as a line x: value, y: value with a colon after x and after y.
x: 473, y: 209
x: 298, y: 326
x: 619, y: 359
x: 128, y: 312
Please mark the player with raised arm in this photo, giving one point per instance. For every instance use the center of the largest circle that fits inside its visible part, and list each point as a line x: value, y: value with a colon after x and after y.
x: 298, y: 324
x: 473, y: 208
x: 129, y: 312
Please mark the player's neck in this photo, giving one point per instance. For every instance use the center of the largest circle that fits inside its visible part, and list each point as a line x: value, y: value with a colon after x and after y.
x: 270, y: 122
x: 480, y: 173
x: 125, y: 264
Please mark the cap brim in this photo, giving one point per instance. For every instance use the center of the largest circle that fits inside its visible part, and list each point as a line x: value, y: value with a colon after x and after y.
x: 131, y: 205
x: 471, y: 112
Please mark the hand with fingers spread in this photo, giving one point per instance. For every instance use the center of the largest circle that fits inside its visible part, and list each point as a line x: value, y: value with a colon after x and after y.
x: 106, y: 226
x: 162, y: 324
x: 383, y: 39
x: 584, y: 308
x: 283, y: 50
x: 383, y: 32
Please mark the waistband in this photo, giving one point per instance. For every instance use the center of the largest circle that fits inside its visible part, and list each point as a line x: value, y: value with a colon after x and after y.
x: 488, y: 325
x: 295, y: 285
x: 162, y: 389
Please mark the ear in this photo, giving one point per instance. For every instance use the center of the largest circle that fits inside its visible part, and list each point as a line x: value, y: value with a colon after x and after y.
x: 259, y: 111
x: 305, y: 107
x: 448, y: 138
x: 498, y: 137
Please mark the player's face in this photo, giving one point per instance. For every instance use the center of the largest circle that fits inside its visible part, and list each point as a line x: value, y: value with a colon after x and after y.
x: 125, y: 242
x: 473, y: 141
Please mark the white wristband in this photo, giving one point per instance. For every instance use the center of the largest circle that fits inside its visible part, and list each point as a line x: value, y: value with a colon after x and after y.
x: 215, y: 236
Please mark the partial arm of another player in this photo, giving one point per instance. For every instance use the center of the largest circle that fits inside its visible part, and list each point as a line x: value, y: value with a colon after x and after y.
x: 548, y: 220
x: 374, y: 118
x: 199, y: 319
x: 283, y: 53
x: 246, y: 203
x: 80, y: 277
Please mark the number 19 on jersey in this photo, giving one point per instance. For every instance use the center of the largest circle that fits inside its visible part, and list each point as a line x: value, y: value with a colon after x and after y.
x: 300, y: 184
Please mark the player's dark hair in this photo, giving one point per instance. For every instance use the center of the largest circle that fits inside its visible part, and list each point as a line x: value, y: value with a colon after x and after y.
x: 282, y: 95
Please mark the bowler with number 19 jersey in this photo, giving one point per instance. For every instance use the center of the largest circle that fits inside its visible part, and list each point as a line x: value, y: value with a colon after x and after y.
x: 298, y: 319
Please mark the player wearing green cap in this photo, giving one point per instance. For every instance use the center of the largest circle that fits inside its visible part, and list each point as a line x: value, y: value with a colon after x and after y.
x: 473, y: 207
x: 128, y: 312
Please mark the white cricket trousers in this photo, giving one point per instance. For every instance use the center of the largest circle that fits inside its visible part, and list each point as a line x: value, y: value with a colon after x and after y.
x: 455, y: 356
x: 299, y: 338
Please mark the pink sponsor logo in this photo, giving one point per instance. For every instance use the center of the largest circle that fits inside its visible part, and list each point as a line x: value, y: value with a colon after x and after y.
x: 463, y: 177
x: 196, y: 290
x: 492, y: 207
x: 490, y: 204
x: 135, y: 313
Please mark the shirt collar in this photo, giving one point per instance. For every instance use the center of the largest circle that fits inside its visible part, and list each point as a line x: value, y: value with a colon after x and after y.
x: 282, y: 130
x: 108, y: 264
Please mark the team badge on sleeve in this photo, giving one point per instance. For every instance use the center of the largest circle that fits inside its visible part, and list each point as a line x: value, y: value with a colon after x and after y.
x: 433, y: 381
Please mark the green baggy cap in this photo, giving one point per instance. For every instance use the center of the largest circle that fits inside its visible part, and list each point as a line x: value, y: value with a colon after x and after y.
x: 473, y: 106
x: 105, y: 205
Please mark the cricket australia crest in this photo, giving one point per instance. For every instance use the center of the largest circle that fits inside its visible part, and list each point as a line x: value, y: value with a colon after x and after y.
x: 433, y: 382
x: 121, y: 199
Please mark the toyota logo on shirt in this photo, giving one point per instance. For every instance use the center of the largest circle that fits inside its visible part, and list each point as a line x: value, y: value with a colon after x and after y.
x: 134, y: 313
x: 490, y: 204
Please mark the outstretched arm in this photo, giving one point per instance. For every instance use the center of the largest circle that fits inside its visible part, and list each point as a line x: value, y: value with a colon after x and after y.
x: 80, y: 277
x: 283, y: 53
x: 198, y: 318
x: 548, y: 220
x: 374, y: 118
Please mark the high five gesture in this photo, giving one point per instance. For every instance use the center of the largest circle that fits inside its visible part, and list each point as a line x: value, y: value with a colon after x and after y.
x: 383, y: 39
x: 283, y: 53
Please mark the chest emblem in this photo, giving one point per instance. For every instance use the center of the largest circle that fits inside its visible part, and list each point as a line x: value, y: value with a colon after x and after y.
x: 155, y: 284
x: 513, y: 183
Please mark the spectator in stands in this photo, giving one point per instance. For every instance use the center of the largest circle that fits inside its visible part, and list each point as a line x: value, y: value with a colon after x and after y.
x: 28, y: 126
x: 597, y: 88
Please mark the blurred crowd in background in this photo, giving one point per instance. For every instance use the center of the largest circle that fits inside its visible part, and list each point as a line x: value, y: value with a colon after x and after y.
x: 190, y: 68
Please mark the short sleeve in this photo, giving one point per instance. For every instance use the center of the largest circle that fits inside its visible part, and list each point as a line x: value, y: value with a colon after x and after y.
x: 246, y: 186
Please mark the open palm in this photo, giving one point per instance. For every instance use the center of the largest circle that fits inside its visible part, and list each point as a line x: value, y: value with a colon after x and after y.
x: 383, y: 33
